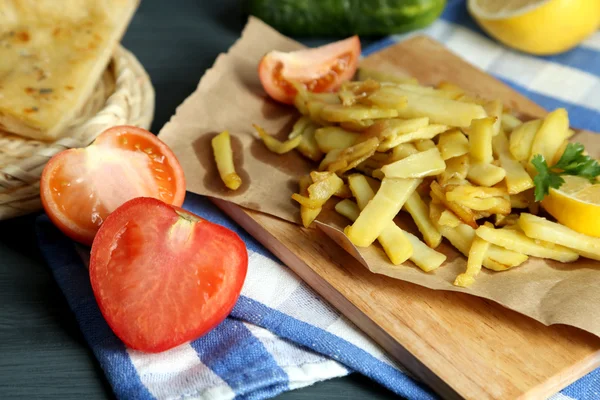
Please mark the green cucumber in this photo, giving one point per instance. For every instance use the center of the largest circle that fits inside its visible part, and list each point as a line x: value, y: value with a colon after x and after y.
x: 346, y: 17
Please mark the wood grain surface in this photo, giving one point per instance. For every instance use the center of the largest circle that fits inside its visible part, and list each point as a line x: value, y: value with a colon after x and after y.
x: 462, y: 346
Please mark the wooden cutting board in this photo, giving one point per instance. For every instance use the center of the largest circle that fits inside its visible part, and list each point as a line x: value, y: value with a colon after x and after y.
x: 460, y: 345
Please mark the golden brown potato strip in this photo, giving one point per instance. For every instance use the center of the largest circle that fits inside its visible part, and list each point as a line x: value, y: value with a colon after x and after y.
x: 223, y: 155
x: 419, y: 211
x: 480, y: 140
x: 456, y: 168
x: 517, y: 178
x: 422, y: 255
x: 308, y: 215
x: 541, y: 229
x: 419, y: 165
x: 332, y: 137
x: 357, y: 126
x: 318, y: 193
x: 381, y: 210
x: 364, y: 74
x: 339, y: 113
x: 494, y: 110
x: 389, y: 128
x: 510, y: 122
x: 341, y: 160
x: 477, y: 254
x: 439, y: 110
x: 551, y: 135
x: 491, y: 205
x: 462, y: 212
x: 275, y: 145
x: 521, y: 139
x: 506, y: 220
x: 429, y: 132
x: 453, y: 143
x: 485, y: 174
x: 403, y: 150
x: 458, y: 193
x: 425, y: 144
x: 515, y: 240
x: 454, y: 90
x: 308, y: 145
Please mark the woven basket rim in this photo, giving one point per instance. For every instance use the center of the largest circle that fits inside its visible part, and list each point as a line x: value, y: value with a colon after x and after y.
x: 131, y: 103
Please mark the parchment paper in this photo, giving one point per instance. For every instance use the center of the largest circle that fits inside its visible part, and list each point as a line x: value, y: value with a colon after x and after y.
x: 230, y: 97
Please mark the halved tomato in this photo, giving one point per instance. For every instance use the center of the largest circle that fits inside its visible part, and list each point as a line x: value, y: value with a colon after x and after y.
x: 320, y: 69
x: 163, y: 276
x: 81, y: 187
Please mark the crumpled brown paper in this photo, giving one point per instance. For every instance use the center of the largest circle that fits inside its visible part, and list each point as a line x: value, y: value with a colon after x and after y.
x: 230, y: 97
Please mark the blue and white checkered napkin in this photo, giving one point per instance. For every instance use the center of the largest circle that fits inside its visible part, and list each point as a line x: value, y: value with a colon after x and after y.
x: 281, y: 335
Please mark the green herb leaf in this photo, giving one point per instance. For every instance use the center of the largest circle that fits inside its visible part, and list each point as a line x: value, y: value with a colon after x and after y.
x: 572, y: 162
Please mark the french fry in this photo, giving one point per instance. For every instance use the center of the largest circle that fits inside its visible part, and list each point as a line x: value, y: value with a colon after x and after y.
x: 357, y: 126
x: 381, y: 210
x: 424, y: 144
x: 318, y: 194
x: 429, y: 132
x: 485, y: 174
x: 477, y: 254
x: 403, y: 150
x: 453, y: 143
x: 559, y: 152
x: 465, y: 214
x: 521, y: 200
x: 422, y: 255
x: 387, y: 100
x: 341, y: 160
x: 493, y: 205
x: 393, y: 240
x: 454, y: 90
x: 426, y: 90
x: 517, y: 241
x: 299, y: 126
x: 456, y: 167
x: 389, y: 128
x: 308, y: 215
x: 494, y: 110
x: 447, y: 218
x: 506, y: 220
x: 469, y: 192
x: 550, y: 136
x: 517, y: 178
x: 541, y: 229
x: 419, y: 211
x: 496, y: 259
x: 439, y: 110
x: 364, y: 74
x: 339, y: 113
x: 275, y: 145
x: 223, y: 154
x: 308, y: 145
x: 480, y: 140
x: 332, y: 137
x: 510, y: 122
x: 521, y: 139
x: 425, y: 163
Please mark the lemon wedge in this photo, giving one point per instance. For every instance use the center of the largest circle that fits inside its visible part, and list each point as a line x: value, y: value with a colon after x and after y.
x: 537, y: 26
x: 576, y: 204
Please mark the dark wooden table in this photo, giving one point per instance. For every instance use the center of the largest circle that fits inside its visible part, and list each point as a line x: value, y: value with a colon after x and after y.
x: 42, y: 352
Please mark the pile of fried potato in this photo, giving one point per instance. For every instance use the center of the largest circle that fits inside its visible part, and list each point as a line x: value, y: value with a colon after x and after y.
x: 459, y: 165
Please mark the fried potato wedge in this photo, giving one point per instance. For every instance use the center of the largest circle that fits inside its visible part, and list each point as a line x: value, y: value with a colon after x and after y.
x: 485, y: 174
x: 333, y: 137
x: 481, y: 132
x: 275, y: 145
x: 517, y: 178
x: 453, y: 143
x: 419, y: 211
x: 477, y: 253
x: 428, y: 132
x: 521, y: 139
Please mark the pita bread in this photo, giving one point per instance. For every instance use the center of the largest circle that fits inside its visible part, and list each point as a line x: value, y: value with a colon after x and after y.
x: 52, y: 53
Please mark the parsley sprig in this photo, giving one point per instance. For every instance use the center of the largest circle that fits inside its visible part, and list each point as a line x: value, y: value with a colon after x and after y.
x: 572, y: 162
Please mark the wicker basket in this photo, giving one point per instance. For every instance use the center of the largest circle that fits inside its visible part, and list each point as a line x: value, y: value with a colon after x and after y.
x: 124, y: 95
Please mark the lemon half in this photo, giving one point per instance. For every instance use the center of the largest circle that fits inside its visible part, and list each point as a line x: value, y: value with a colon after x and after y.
x: 576, y: 204
x: 537, y: 26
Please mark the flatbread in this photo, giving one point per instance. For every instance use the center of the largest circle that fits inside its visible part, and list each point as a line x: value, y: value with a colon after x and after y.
x: 52, y: 53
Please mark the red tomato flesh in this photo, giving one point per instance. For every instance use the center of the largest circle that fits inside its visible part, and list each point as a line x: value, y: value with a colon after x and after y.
x: 163, y: 276
x: 320, y: 69
x: 81, y: 187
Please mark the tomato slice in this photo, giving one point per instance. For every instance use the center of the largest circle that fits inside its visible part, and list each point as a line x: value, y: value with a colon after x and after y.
x: 320, y: 69
x: 81, y: 187
x: 163, y: 276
